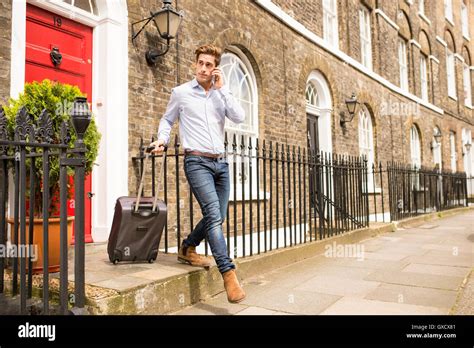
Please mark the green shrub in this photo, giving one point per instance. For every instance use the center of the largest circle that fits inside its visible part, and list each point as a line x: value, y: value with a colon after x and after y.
x: 57, y: 99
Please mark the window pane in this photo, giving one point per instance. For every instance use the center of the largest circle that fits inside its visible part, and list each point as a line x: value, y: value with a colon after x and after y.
x: 86, y: 5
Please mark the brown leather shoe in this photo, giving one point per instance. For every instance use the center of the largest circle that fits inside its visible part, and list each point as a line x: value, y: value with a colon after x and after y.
x: 235, y: 293
x: 188, y: 255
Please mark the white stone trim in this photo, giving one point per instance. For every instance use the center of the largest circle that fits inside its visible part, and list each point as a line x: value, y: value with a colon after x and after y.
x: 467, y: 38
x: 302, y: 30
x: 387, y: 18
x: 423, y: 16
x: 471, y: 67
x: 449, y: 21
x: 469, y: 106
x: 415, y: 43
x: 458, y: 56
x: 441, y: 41
x: 433, y: 58
x: 18, y: 48
x: 109, y: 88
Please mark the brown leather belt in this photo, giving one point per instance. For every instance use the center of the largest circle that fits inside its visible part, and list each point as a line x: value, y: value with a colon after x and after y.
x: 204, y: 154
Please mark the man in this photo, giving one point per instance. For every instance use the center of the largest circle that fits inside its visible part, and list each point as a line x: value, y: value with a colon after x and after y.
x: 201, y: 106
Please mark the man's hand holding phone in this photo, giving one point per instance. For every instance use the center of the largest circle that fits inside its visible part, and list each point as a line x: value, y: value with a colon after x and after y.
x: 217, y: 76
x: 159, y: 146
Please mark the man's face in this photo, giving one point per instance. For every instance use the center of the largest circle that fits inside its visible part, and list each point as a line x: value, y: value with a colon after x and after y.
x: 204, y: 67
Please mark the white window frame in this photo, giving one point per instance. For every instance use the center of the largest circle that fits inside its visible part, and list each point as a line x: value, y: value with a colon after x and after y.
x: 415, y: 154
x: 451, y: 73
x: 415, y: 147
x: 467, y: 85
x: 365, y: 38
x: 248, y: 129
x: 464, y: 20
x: 453, y: 154
x: 467, y: 155
x: 330, y: 23
x: 424, y: 77
x: 448, y: 10
x: 402, y: 62
x: 366, y: 145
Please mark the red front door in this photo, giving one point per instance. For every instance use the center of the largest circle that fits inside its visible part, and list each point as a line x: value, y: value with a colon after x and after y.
x: 46, y: 31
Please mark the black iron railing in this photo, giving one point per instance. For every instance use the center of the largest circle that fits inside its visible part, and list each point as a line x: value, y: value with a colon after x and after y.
x: 280, y: 196
x: 32, y: 142
x: 419, y: 191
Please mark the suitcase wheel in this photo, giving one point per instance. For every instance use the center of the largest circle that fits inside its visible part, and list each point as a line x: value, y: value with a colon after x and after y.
x: 115, y: 261
x: 151, y: 260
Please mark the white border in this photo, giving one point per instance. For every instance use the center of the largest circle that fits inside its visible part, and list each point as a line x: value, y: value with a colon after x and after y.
x: 109, y: 93
x: 302, y: 30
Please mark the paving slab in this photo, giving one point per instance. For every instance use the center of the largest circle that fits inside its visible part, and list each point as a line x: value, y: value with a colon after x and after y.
x: 288, y: 300
x: 359, y: 306
x: 259, y: 311
x: 437, y: 270
x: 414, y: 295
x: 334, y: 285
x: 416, y: 279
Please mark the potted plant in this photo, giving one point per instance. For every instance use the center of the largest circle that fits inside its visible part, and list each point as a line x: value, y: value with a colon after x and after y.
x: 57, y: 98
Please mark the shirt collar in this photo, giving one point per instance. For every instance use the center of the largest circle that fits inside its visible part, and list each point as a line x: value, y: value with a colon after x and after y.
x: 194, y: 83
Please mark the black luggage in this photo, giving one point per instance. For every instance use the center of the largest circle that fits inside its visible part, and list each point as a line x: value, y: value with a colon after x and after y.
x: 137, y: 225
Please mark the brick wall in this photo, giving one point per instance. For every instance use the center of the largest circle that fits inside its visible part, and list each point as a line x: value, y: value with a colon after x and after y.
x: 282, y: 61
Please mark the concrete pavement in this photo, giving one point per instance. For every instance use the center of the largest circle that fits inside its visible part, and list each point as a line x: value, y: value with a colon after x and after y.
x: 415, y: 270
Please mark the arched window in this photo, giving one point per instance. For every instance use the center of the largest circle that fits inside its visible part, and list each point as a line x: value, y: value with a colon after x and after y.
x: 312, y: 97
x: 239, y: 76
x: 415, y: 147
x: 86, y: 5
x: 366, y: 142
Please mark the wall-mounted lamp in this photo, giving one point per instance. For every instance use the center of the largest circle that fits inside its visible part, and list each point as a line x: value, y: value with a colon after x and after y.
x: 467, y: 146
x: 437, y: 138
x: 351, y: 107
x: 167, y: 21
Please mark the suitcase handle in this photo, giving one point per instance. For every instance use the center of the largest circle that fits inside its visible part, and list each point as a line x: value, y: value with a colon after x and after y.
x: 140, y: 189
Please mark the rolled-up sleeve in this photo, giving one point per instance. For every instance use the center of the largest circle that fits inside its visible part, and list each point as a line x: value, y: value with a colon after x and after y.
x: 169, y: 118
x: 233, y: 110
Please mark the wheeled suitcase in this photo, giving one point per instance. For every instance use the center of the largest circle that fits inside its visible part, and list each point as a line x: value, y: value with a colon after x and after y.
x: 137, y: 225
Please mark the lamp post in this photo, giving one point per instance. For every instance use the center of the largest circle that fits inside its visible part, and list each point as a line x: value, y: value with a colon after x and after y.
x: 167, y: 22
x: 81, y: 118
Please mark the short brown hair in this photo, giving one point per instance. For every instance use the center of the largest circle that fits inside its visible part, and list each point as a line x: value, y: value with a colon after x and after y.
x: 211, y: 50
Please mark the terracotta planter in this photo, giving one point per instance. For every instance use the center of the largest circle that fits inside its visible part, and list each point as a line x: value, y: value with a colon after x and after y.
x: 53, y: 249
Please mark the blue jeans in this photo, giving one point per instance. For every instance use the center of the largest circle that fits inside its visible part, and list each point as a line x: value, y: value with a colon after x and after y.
x: 209, y: 182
